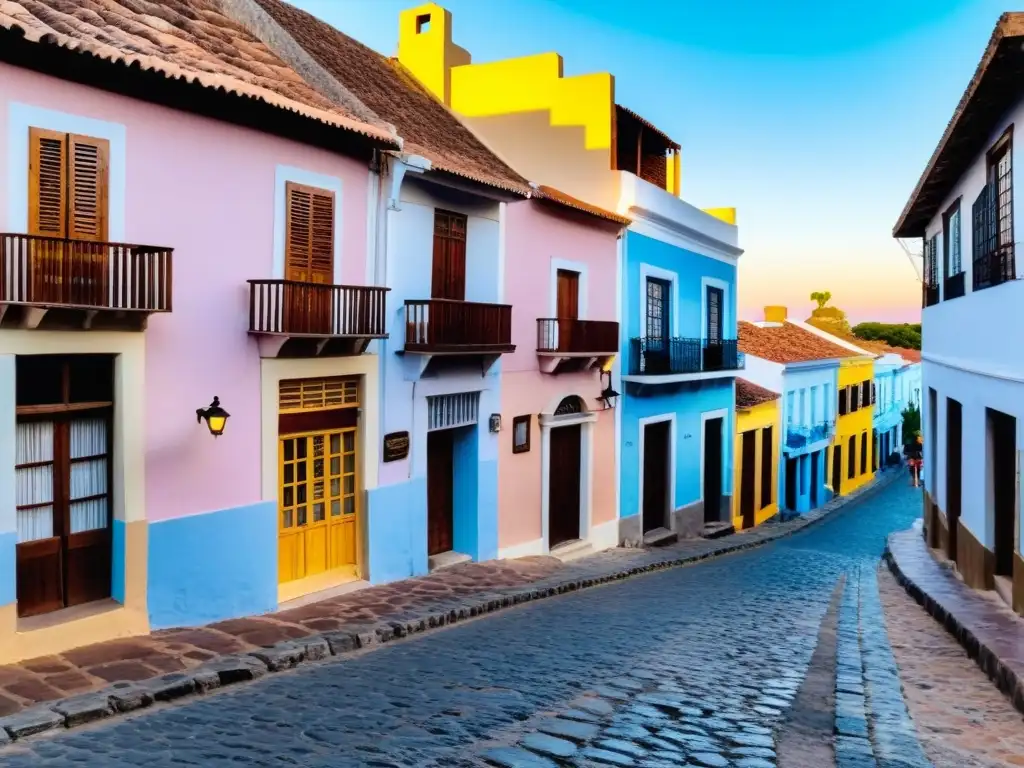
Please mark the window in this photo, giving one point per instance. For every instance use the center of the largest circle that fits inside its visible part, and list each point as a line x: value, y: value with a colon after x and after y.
x: 953, y: 284
x: 864, y: 453
x: 992, y: 219
x: 63, y: 475
x: 309, y: 234
x: 854, y: 390
x: 715, y: 299
x: 851, y: 457
x: 68, y: 185
x: 767, y: 446
x: 874, y: 393
x: 790, y: 410
x: 931, y: 271
x: 658, y: 310
x: 521, y: 433
x: 448, y: 278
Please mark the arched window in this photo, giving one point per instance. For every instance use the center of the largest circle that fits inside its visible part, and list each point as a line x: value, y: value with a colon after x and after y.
x: 571, y: 404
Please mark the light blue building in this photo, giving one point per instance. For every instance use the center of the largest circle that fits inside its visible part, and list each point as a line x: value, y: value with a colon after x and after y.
x: 677, y: 367
x: 897, y: 387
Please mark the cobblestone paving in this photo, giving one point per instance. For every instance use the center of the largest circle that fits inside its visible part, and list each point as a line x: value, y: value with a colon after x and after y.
x: 962, y: 719
x: 690, y: 666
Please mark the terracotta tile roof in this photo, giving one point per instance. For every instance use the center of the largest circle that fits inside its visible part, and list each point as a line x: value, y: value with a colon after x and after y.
x: 749, y: 394
x: 557, y: 196
x: 787, y: 343
x: 993, y: 89
x: 649, y: 125
x: 910, y: 355
x: 426, y: 126
x: 182, y: 39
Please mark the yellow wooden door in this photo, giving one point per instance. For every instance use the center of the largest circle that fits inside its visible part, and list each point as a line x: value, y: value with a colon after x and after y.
x: 318, y: 521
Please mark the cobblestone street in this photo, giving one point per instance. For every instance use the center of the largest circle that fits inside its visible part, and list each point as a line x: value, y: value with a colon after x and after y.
x: 689, y: 666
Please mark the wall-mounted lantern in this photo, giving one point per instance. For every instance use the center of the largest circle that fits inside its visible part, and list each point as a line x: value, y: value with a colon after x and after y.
x: 216, y: 417
x: 608, y: 395
x: 495, y: 422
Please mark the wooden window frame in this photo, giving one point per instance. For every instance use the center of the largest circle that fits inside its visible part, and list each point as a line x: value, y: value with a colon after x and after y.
x: 949, y: 239
x: 516, y: 421
x: 70, y: 201
x: 324, y: 196
x: 449, y: 248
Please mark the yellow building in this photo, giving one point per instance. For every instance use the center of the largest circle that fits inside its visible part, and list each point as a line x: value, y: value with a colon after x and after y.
x: 852, y: 444
x: 758, y: 434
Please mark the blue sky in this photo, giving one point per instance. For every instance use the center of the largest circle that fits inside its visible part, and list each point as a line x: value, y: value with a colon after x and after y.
x: 814, y: 119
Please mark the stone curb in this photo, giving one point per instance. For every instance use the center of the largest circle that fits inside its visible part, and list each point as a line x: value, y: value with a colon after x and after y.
x: 124, y: 697
x: 1004, y: 677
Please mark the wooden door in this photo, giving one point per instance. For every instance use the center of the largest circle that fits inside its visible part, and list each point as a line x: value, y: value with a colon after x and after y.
x: 748, y: 476
x: 837, y: 469
x: 658, y: 322
x: 448, y: 277
x: 317, y: 523
x: 568, y: 297
x: 713, y: 352
x: 62, y: 468
x: 815, y: 479
x: 791, y: 480
x: 656, y: 478
x: 309, y: 259
x: 954, y: 472
x: 564, y: 485
x: 712, y: 470
x: 440, y: 491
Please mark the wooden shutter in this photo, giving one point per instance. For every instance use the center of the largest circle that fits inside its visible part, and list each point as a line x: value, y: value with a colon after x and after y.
x: 309, y: 241
x: 47, y: 188
x: 88, y: 180
x: 448, y: 280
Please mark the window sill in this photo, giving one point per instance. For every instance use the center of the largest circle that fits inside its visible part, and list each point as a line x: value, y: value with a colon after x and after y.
x: 67, y: 615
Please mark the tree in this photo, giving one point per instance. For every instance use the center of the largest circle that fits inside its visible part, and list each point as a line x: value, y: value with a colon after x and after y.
x: 904, y: 335
x: 911, y: 425
x: 821, y: 297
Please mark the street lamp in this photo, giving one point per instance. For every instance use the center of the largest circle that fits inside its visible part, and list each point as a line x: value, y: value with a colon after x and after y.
x: 216, y: 417
x: 608, y: 395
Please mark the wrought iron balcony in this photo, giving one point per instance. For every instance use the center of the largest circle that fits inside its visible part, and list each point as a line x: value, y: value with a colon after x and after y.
x: 660, y: 357
x: 61, y: 281
x: 446, y: 326
x: 799, y: 436
x: 298, y: 319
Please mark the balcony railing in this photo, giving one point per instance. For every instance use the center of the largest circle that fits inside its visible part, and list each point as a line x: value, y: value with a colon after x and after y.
x: 467, y: 327
x: 798, y: 436
x: 52, y: 272
x: 953, y: 287
x: 994, y: 267
x: 293, y: 308
x: 659, y: 357
x: 577, y: 337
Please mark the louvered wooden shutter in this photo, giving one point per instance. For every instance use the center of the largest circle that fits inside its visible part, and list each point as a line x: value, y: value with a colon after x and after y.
x: 47, y: 188
x: 87, y: 187
x: 310, y: 234
x: 448, y: 280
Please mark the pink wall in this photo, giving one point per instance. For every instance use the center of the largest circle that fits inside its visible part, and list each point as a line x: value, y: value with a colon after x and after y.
x: 206, y: 189
x: 536, y: 235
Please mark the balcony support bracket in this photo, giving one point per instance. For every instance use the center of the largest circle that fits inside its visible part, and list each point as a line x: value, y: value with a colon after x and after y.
x: 87, y: 319
x: 270, y: 346
x: 32, y: 317
x: 320, y: 346
x: 487, y: 362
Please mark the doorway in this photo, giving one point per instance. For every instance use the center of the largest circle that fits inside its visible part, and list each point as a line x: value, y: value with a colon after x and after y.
x: 713, y: 356
x: 440, y: 491
x: 815, y: 479
x: 657, y: 453
x: 448, y: 273
x: 564, y: 489
x: 309, y: 259
x: 954, y: 472
x: 568, y: 306
x: 748, y: 474
x: 713, y: 470
x: 837, y: 469
x: 1002, y: 430
x: 791, y: 478
x: 657, y: 321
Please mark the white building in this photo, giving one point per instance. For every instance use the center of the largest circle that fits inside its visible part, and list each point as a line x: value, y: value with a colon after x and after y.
x: 963, y: 208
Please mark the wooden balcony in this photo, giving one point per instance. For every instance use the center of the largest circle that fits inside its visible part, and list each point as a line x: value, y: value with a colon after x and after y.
x: 575, y: 344
x: 52, y: 282
x: 297, y: 319
x: 450, y: 328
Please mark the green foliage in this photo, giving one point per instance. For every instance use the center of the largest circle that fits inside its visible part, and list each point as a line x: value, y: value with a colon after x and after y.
x: 911, y: 424
x: 821, y: 297
x: 906, y: 335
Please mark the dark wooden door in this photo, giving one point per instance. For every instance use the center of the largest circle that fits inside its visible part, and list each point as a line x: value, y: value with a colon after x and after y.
x: 954, y: 471
x: 748, y: 475
x: 656, y: 479
x: 712, y: 470
x: 564, y: 486
x: 837, y: 469
x: 1004, y: 488
x: 815, y: 479
x: 440, y: 491
x: 791, y: 478
x: 568, y: 310
x: 448, y: 278
x: 657, y: 322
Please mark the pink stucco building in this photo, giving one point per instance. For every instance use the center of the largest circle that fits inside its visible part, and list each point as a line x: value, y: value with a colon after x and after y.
x: 557, y: 485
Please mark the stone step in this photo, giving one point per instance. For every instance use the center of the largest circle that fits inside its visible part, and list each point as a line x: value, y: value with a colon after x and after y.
x: 660, y: 537
x: 572, y: 550
x: 446, y: 560
x: 717, y: 530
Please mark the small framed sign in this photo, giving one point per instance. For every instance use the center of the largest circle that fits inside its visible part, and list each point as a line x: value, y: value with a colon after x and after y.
x: 396, y: 446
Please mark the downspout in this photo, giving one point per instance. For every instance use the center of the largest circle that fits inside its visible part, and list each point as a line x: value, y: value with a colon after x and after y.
x: 620, y: 313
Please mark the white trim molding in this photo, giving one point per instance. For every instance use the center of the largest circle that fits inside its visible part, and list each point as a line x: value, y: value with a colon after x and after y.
x: 723, y: 286
x: 22, y: 117
x: 547, y: 422
x: 285, y: 174
x: 671, y: 419
x: 569, y: 266
x: 727, y: 445
x: 672, y: 278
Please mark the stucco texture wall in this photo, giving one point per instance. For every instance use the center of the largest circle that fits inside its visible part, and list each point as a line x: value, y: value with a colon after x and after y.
x: 856, y: 424
x: 755, y: 420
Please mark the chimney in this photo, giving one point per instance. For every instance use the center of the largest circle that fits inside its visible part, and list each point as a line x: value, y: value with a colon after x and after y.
x: 775, y: 314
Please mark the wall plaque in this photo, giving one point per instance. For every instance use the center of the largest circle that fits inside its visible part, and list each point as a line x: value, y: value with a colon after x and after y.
x: 396, y: 446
